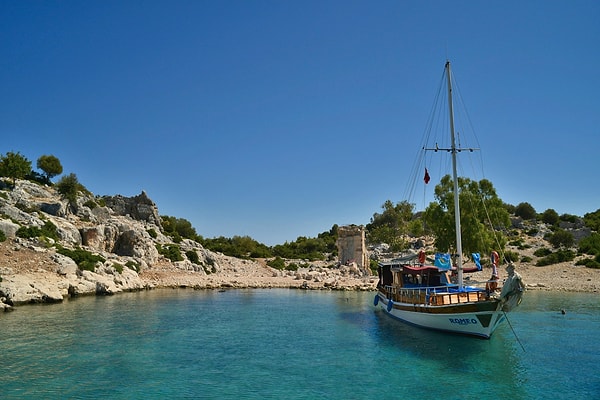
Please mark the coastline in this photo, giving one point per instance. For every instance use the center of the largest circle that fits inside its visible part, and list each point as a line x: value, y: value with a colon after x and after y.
x: 33, y: 275
x: 565, y: 277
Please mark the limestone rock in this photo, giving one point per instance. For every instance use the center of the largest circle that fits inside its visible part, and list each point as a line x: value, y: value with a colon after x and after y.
x: 56, y: 209
x: 68, y: 233
x: 8, y: 227
x: 139, y: 207
x: 23, y: 289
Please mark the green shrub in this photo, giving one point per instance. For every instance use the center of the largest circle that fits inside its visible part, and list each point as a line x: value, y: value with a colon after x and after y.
x: 192, y: 256
x: 27, y: 232
x: 28, y: 209
x: 511, y: 256
x: 550, y: 217
x: 374, y: 265
x: 172, y: 252
x: 525, y: 211
x: 50, y: 165
x: 526, y: 259
x: 543, y: 252
x: 592, y: 220
x: 590, y: 245
x: 2, y: 236
x: 561, y: 238
x: 49, y: 230
x: 91, y: 204
x: 569, y: 218
x: 532, y: 231
x: 152, y: 233
x: 14, y: 166
x: 85, y: 260
x: 589, y: 262
x: 292, y: 267
x: 210, y: 268
x: 516, y: 243
x: 277, y: 263
x: 178, y: 228
x: 237, y: 246
x: 118, y: 267
x: 68, y: 186
x: 555, y: 258
x: 133, y: 266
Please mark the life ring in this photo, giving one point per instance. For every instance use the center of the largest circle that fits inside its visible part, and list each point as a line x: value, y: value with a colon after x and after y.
x: 421, y: 257
x: 390, y: 305
x: 494, y: 257
x: 376, y: 300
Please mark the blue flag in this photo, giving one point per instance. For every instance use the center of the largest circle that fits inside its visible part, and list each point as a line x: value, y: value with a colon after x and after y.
x: 442, y: 261
x: 477, y: 260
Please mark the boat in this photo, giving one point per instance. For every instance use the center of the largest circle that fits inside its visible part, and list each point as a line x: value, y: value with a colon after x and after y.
x: 433, y: 295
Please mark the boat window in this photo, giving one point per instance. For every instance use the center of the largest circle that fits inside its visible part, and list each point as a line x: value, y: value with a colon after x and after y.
x: 412, y: 279
x: 385, y: 275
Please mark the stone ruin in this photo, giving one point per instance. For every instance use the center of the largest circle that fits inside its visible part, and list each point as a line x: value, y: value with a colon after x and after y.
x: 352, y: 248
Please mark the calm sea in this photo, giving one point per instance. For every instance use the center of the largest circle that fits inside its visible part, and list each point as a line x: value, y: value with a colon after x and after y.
x: 290, y: 344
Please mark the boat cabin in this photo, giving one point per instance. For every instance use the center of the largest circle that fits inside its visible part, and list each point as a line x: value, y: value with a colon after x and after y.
x: 423, y: 284
x: 402, y: 275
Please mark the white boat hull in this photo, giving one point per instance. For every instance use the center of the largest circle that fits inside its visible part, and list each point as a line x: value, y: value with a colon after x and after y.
x: 476, y: 323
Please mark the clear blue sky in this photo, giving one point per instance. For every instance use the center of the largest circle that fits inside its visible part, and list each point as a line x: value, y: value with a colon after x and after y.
x: 278, y: 119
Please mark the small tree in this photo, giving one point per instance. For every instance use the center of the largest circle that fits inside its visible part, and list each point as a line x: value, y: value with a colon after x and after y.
x: 550, y: 217
x: 14, y: 166
x: 68, y: 186
x: 50, y: 165
x: 178, y: 227
x: 391, y: 224
x: 592, y: 220
x: 525, y: 211
x: 561, y: 238
x: 590, y: 245
x: 477, y: 233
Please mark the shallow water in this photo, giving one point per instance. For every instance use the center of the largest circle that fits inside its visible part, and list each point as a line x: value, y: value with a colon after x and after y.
x: 257, y: 344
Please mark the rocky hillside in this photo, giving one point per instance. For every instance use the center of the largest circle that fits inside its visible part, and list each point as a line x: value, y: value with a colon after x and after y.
x: 125, y: 234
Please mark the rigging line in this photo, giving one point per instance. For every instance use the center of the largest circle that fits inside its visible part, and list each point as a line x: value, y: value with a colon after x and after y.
x: 419, y: 162
x: 513, y: 331
x: 473, y: 209
x: 494, y: 233
x: 463, y: 114
x: 470, y: 122
x: 487, y: 217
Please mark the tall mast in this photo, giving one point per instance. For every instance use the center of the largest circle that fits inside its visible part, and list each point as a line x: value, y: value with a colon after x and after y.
x: 454, y: 150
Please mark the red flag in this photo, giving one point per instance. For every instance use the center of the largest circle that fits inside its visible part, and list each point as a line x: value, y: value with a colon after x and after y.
x: 426, y: 178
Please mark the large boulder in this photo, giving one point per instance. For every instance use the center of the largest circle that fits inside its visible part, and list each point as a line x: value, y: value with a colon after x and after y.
x: 139, y: 207
x: 56, y: 208
x: 120, y: 238
x: 8, y: 227
x: 20, y: 216
x: 136, y: 243
x: 26, y: 288
x: 67, y: 232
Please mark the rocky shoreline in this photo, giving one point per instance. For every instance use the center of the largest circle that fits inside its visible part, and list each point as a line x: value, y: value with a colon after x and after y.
x: 33, y: 274
x: 126, y: 233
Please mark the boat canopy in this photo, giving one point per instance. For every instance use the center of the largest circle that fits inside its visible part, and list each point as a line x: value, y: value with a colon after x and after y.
x: 409, y: 268
x: 414, y: 269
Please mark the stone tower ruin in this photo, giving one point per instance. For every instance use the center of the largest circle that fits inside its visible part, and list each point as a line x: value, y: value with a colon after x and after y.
x: 352, y: 248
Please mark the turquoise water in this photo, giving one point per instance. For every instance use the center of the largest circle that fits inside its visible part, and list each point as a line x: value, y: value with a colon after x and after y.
x: 290, y: 344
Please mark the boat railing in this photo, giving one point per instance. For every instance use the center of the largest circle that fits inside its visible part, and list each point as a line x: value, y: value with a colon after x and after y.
x: 435, y: 295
